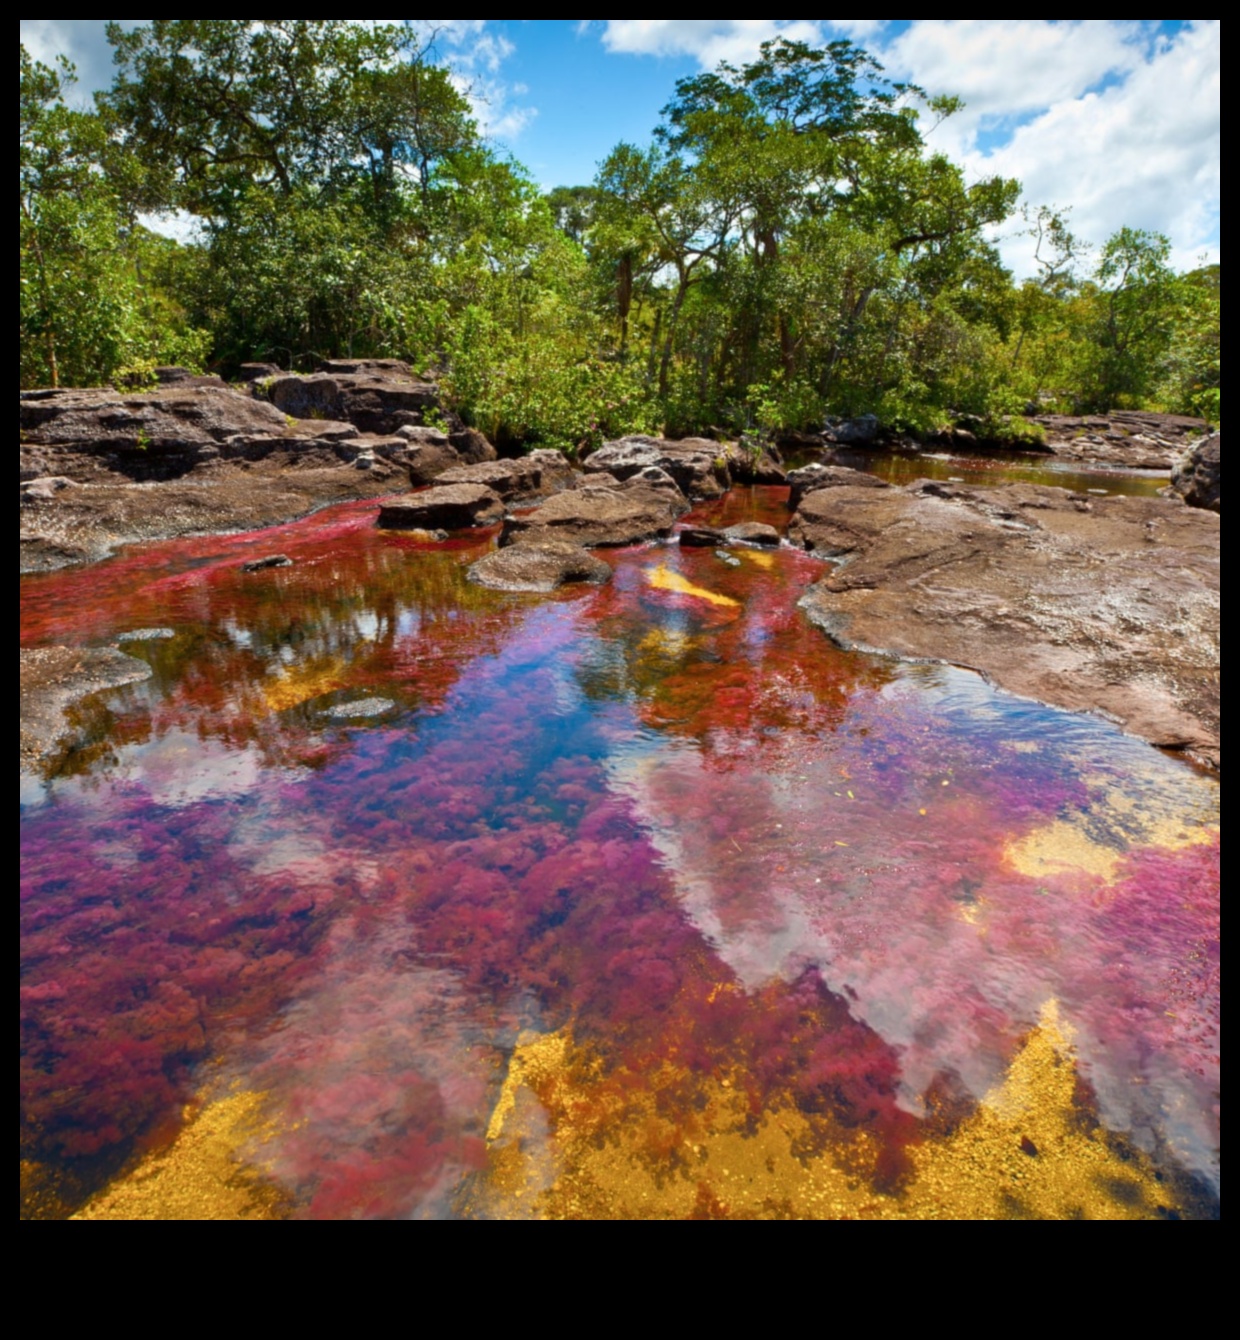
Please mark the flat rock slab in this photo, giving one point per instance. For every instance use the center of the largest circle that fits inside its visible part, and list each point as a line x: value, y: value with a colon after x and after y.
x: 538, y: 566
x: 85, y: 524
x: 818, y: 475
x: 51, y: 680
x: 754, y: 533
x: 1134, y: 439
x: 527, y: 477
x: 1108, y: 605
x: 607, y: 515
x: 444, y: 507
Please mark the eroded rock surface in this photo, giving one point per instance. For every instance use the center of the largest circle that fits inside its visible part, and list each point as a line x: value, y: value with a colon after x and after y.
x: 522, y: 479
x: 607, y: 513
x: 375, y: 395
x: 1096, y: 604
x: 51, y: 680
x: 100, y: 468
x: 538, y: 565
x: 444, y: 507
x: 1133, y: 439
x: 1197, y: 474
x: 818, y: 475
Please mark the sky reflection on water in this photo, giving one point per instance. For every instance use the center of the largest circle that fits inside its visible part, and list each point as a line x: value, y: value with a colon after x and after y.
x: 636, y: 903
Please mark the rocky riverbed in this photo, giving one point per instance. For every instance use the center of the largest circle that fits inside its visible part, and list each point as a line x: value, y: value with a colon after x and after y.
x: 1108, y: 604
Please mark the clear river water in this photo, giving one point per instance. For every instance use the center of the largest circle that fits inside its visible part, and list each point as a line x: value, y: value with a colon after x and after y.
x: 390, y: 896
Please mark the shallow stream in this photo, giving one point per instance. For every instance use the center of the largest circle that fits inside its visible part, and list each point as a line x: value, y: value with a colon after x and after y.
x: 390, y: 896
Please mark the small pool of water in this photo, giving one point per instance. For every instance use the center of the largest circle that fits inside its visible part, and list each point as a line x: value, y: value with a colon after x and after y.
x: 994, y: 468
x: 390, y: 896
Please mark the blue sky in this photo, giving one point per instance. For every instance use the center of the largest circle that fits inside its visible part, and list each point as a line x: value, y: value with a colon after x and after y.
x: 1117, y: 120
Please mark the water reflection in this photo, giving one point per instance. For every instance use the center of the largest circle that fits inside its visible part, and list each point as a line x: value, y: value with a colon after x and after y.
x: 993, y: 468
x: 638, y: 901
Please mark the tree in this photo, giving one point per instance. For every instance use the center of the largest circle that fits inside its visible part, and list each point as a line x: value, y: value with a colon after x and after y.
x: 85, y: 309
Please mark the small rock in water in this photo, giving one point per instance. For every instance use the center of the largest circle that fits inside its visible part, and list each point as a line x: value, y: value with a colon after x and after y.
x: 753, y: 532
x: 701, y: 537
x: 146, y: 634
x: 1104, y: 492
x: 730, y: 559
x: 360, y: 707
x: 271, y: 561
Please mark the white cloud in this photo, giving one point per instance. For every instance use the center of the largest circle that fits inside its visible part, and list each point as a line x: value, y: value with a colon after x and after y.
x: 1144, y: 151
x: 475, y: 54
x: 83, y: 41
x: 707, y: 40
x: 1099, y: 115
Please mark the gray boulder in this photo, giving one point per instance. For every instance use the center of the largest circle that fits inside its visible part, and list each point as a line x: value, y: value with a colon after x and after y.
x: 610, y: 514
x: 446, y: 507
x: 698, y: 466
x: 857, y: 432
x: 1196, y: 476
x: 816, y: 475
x: 538, y: 565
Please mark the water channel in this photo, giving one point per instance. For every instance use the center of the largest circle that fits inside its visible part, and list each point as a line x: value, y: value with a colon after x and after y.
x: 390, y: 896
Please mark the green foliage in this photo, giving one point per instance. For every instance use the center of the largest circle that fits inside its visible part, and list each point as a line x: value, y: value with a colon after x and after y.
x: 786, y: 246
x: 90, y: 304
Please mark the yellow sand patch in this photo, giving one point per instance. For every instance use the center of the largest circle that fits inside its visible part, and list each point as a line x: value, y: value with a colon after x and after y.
x: 663, y: 578
x: 1062, y: 847
x: 201, y: 1175
x: 759, y: 556
x: 569, y: 1139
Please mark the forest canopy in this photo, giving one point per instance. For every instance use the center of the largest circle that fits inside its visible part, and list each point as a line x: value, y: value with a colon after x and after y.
x: 784, y: 247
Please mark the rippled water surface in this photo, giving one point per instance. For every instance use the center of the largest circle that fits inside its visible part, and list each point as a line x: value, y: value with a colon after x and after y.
x: 389, y: 896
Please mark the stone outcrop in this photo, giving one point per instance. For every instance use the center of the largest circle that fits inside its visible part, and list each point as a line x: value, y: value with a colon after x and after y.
x: 223, y: 459
x: 701, y: 468
x: 817, y: 475
x: 1196, y: 476
x: 1132, y: 439
x: 1098, y: 604
x: 538, y: 565
x: 444, y: 507
x: 521, y: 480
x: 863, y: 431
x: 99, y: 432
x: 376, y: 396
x: 698, y: 466
x: 602, y: 513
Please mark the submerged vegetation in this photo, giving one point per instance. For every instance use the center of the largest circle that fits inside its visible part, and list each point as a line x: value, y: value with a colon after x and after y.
x: 786, y: 246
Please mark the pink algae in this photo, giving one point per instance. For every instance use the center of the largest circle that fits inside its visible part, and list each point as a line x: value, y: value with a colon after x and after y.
x: 688, y: 832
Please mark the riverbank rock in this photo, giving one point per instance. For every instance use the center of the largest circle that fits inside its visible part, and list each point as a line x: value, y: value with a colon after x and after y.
x: 100, y: 468
x: 443, y: 507
x: 698, y: 466
x: 755, y: 534
x: 601, y: 513
x: 1132, y: 439
x: 50, y: 680
x: 817, y: 475
x: 1108, y: 605
x: 538, y: 565
x: 1196, y: 476
x: 97, y: 433
x: 862, y: 431
x: 521, y: 480
x: 375, y: 395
